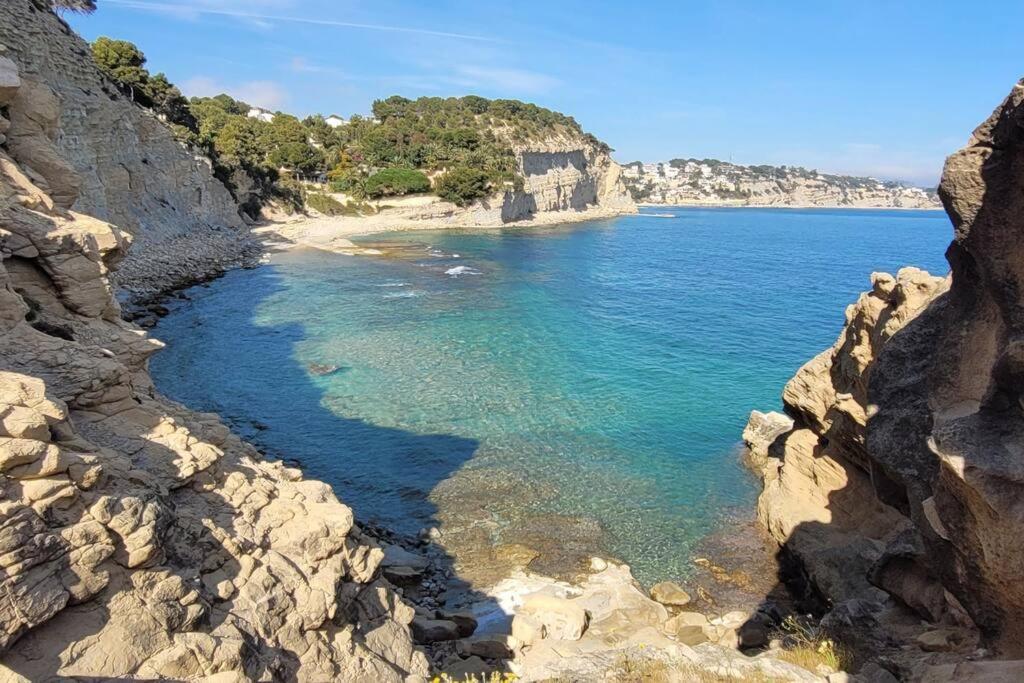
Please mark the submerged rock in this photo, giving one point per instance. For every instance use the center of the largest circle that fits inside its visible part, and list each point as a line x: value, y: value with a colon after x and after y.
x: 321, y: 370
x: 670, y: 593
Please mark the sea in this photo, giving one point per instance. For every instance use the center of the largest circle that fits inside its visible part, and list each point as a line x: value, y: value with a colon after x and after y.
x: 590, y: 379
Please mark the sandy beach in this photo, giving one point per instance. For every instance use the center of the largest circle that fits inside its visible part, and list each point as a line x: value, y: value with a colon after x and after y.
x: 334, y: 233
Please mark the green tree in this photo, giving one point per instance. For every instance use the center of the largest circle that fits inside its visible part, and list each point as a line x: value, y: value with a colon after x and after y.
x: 396, y: 181
x: 462, y: 185
x: 299, y: 156
x: 230, y: 105
x: 393, y: 106
x: 124, y: 63
x: 238, y: 142
x: 286, y: 142
x: 168, y: 101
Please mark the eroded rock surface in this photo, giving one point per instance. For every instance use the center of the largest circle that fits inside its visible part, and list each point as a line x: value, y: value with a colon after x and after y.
x: 109, y: 158
x: 949, y: 430
x: 605, y: 627
x: 902, y: 478
x: 138, y: 538
x: 818, y: 499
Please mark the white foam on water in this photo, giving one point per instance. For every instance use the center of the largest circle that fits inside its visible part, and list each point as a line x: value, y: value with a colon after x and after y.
x: 461, y: 270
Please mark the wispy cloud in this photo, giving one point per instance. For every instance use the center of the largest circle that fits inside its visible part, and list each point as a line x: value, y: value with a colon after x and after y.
x: 301, y: 65
x: 504, y: 80
x: 195, y: 9
x: 266, y: 94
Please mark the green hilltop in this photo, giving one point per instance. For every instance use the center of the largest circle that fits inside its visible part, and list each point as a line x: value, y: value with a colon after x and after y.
x: 461, y: 148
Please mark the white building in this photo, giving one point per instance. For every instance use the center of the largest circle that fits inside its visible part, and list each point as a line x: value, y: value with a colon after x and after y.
x: 261, y: 114
x: 334, y: 121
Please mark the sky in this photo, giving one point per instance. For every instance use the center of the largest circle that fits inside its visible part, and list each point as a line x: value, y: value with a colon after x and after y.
x: 886, y: 89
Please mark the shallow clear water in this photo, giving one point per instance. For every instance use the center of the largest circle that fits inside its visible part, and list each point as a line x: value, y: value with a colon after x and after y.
x: 610, y: 364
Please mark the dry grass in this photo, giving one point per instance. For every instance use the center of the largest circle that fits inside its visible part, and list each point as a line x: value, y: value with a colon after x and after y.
x: 653, y: 670
x: 809, y: 649
x: 493, y: 677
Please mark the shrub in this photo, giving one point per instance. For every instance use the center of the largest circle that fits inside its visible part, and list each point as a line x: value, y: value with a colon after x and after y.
x: 462, y: 185
x: 325, y: 204
x: 288, y: 192
x: 396, y: 181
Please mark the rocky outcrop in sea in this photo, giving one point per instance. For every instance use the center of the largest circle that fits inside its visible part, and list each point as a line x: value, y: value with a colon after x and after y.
x: 894, y: 485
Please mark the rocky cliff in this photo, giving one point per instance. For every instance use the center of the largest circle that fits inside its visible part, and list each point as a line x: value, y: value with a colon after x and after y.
x: 137, y: 538
x: 564, y: 179
x: 566, y: 175
x: 900, y: 476
x: 710, y: 182
x: 127, y: 167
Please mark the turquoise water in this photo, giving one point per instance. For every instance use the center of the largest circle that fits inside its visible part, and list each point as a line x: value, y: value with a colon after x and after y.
x: 607, y: 368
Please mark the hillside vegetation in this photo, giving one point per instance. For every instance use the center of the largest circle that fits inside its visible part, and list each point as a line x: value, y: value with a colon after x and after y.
x: 407, y: 146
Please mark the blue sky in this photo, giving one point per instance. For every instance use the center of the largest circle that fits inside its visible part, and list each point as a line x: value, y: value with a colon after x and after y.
x: 869, y: 87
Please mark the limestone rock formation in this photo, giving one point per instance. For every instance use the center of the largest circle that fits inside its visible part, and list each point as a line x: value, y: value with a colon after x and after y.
x: 591, y: 629
x: 902, y: 475
x: 128, y: 168
x: 137, y: 538
x: 949, y: 428
x: 560, y: 175
x: 817, y: 497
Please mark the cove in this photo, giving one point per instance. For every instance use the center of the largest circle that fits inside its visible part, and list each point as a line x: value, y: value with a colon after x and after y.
x: 570, y: 390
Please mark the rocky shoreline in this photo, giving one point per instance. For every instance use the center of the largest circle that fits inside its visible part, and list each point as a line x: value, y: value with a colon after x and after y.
x: 733, y: 205
x: 142, y: 539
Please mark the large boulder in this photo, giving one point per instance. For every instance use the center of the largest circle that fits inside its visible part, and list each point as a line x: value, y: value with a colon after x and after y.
x: 558, y: 618
x: 761, y: 432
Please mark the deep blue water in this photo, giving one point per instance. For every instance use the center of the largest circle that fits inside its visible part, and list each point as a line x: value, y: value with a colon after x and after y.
x: 612, y: 363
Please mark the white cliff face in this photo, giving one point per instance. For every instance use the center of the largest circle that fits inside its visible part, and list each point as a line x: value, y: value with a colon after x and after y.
x: 560, y: 175
x: 710, y: 182
x: 128, y: 168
